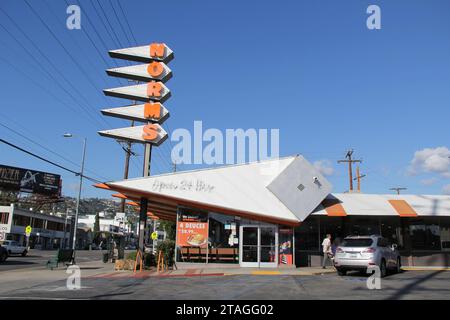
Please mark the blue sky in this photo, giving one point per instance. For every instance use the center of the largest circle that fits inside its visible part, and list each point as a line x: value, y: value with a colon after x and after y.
x: 310, y: 68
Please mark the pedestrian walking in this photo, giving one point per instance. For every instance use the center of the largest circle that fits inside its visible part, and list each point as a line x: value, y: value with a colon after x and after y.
x: 327, y: 253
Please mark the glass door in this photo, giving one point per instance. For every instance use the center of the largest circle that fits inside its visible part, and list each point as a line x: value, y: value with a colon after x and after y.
x: 249, y: 246
x: 258, y: 246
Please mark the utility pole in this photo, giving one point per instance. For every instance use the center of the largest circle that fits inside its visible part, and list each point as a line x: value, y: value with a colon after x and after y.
x: 358, y: 179
x: 128, y: 153
x: 398, y: 189
x: 350, y: 161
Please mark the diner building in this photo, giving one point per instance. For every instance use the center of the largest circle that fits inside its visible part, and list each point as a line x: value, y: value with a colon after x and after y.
x: 275, y: 213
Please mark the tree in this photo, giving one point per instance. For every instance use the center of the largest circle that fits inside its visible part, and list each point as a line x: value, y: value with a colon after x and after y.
x: 169, y: 227
x: 97, y: 227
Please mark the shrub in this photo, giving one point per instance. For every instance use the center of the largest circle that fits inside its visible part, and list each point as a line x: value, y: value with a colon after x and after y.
x: 167, y: 249
x: 131, y: 256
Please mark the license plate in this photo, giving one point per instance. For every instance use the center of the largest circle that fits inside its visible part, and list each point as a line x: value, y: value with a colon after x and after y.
x: 353, y: 255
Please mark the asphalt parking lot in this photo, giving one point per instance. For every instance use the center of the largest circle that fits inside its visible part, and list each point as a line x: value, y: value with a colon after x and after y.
x: 420, y: 285
x: 38, y: 259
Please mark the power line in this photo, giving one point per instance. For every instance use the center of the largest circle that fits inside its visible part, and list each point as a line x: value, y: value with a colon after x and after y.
x: 107, y: 20
x: 350, y: 161
x: 48, y: 161
x: 44, y: 88
x: 49, y: 74
x: 126, y: 20
x: 47, y: 149
x: 64, y: 48
x: 120, y: 23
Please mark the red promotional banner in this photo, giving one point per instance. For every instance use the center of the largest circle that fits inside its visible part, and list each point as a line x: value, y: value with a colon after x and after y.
x: 192, y: 232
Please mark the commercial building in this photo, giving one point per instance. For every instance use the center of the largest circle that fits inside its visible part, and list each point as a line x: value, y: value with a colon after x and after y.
x: 275, y: 213
x: 48, y: 231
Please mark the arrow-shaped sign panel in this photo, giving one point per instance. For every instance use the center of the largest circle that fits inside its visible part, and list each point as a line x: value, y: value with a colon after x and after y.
x: 154, y: 112
x: 143, y: 72
x: 152, y: 91
x: 149, y: 53
x: 150, y: 133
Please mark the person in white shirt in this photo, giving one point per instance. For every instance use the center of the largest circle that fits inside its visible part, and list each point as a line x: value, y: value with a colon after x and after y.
x: 327, y: 253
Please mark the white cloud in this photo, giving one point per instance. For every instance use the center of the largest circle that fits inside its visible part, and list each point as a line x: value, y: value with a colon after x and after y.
x: 324, y: 166
x: 446, y: 189
x: 429, y: 182
x: 431, y: 160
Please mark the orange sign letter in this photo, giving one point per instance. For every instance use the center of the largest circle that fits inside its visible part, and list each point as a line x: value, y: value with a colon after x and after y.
x: 152, y: 110
x: 155, y: 69
x: 154, y: 89
x: 150, y: 132
x: 157, y: 50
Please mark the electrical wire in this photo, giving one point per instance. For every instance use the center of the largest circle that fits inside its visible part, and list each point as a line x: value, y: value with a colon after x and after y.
x: 48, y: 161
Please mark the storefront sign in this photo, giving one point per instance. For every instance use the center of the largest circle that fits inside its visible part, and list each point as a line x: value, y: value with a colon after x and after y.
x: 152, y: 111
x: 153, y: 93
x: 192, y: 231
x: 146, y: 54
x: 153, y: 133
x: 154, y: 71
x: 25, y: 180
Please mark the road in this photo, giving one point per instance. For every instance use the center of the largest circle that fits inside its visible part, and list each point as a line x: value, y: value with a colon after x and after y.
x: 420, y: 285
x: 39, y: 258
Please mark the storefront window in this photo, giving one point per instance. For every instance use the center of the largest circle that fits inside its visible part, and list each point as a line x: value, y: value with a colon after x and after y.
x: 285, y: 249
x: 424, y: 234
x: 391, y: 229
x: 445, y: 233
x: 363, y: 226
x: 334, y: 226
x: 307, y: 235
x: 223, y: 241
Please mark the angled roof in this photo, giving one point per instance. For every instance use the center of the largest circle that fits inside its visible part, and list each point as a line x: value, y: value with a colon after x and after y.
x: 406, y: 205
x: 252, y: 189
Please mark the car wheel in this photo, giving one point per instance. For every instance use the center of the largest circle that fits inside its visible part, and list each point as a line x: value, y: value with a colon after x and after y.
x: 398, y: 269
x: 24, y: 253
x: 383, y: 270
x: 341, y: 272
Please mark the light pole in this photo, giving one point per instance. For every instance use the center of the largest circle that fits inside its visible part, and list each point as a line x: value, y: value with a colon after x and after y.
x: 69, y: 135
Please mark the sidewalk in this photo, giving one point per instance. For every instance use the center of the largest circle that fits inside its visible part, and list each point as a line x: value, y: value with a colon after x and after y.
x: 202, y: 272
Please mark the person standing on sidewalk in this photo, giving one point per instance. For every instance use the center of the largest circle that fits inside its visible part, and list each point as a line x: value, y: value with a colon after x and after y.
x: 327, y: 254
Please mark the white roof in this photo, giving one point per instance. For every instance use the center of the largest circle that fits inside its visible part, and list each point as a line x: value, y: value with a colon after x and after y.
x: 251, y: 188
x: 378, y: 205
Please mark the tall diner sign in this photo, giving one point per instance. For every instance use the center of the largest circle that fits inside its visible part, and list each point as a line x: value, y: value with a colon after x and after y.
x: 154, y: 72
x: 153, y: 93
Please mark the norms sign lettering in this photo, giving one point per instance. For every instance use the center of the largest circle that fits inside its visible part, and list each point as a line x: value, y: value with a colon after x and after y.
x: 155, y: 72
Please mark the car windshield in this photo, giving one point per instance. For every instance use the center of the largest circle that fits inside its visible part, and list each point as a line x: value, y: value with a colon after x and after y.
x: 357, y: 242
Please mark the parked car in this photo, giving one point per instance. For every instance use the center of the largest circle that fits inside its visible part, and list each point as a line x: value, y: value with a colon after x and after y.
x: 360, y: 252
x: 13, y: 247
x: 3, y: 254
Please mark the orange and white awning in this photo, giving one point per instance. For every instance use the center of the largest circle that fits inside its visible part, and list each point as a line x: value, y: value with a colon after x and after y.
x: 359, y: 204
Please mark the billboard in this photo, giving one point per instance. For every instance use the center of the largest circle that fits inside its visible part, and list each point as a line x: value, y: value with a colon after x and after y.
x: 26, y: 180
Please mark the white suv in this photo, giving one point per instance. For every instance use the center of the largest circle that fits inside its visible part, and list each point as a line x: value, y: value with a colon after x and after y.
x: 360, y: 252
x: 13, y: 247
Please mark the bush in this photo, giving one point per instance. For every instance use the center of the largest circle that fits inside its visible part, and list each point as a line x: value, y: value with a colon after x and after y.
x: 149, y: 260
x: 131, y: 256
x: 167, y: 249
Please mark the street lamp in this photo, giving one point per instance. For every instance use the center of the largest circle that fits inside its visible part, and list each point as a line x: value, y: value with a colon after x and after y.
x: 69, y: 135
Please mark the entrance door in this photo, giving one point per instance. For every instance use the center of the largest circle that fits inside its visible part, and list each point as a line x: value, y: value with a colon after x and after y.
x: 258, y: 246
